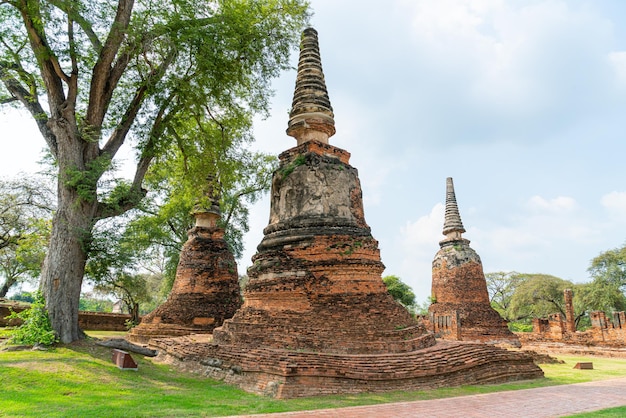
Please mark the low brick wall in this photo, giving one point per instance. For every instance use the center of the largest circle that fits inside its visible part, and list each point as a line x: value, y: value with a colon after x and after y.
x: 89, y: 321
x: 100, y: 321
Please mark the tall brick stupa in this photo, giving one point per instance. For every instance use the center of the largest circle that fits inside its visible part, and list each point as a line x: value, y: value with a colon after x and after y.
x: 317, y: 318
x: 316, y: 279
x: 461, y: 308
x: 206, y: 288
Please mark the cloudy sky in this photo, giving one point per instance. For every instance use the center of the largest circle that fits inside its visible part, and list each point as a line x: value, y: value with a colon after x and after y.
x: 523, y: 103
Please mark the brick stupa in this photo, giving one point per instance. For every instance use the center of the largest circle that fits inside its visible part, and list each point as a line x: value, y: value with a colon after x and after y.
x: 461, y: 308
x: 206, y: 288
x: 317, y: 318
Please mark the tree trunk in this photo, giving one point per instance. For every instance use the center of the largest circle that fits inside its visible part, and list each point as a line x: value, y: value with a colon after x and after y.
x: 8, y: 283
x: 64, y: 266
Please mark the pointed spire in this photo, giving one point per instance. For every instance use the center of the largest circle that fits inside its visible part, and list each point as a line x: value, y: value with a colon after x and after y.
x: 452, y: 227
x: 207, y: 210
x: 311, y: 116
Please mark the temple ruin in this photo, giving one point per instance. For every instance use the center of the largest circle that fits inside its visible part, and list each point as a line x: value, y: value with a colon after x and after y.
x: 461, y: 308
x: 317, y: 318
x: 206, y: 288
x: 606, y: 332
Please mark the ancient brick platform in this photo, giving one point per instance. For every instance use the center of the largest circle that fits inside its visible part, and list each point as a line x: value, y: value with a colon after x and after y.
x: 206, y: 288
x: 290, y: 374
x: 461, y: 308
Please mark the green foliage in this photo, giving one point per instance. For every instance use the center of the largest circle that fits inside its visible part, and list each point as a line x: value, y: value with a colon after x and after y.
x: 25, y: 225
x: 36, y: 328
x: 610, y: 267
x: 501, y: 287
x: 400, y: 291
x: 606, y: 291
x: 88, y: 302
x: 538, y: 295
x: 24, y: 297
x: 520, y: 327
x: 288, y: 169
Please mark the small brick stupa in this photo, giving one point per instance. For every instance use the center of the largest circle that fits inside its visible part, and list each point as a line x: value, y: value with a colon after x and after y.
x: 206, y: 288
x: 317, y: 318
x: 461, y: 308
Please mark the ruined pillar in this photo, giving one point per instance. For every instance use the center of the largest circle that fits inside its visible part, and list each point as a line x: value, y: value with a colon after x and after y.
x: 206, y: 288
x: 570, y: 322
x: 459, y: 285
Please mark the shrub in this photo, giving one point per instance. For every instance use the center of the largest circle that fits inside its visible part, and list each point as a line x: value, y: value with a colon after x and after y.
x: 36, y: 327
x: 520, y: 327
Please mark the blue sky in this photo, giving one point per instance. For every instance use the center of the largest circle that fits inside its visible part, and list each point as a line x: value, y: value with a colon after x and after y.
x: 523, y: 103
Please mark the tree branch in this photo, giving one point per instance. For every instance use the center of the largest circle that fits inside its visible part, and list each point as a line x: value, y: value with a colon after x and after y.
x: 51, y: 71
x: 85, y: 25
x: 31, y: 103
x: 101, y: 88
x: 118, y: 136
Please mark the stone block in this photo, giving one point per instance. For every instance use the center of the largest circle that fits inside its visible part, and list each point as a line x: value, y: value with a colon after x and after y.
x: 123, y: 360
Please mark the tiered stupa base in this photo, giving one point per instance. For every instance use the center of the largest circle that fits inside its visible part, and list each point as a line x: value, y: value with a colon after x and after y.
x: 204, y: 294
x: 462, y: 310
x: 290, y: 374
x: 478, y: 323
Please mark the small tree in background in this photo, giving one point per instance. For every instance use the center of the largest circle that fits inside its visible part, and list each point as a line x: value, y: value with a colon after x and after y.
x: 400, y: 291
x: 25, y: 213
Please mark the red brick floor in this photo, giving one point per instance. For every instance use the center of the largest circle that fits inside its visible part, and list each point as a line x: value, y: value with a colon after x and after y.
x: 552, y: 401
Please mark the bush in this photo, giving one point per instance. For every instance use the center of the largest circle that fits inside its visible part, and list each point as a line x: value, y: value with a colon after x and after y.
x: 520, y: 327
x: 36, y: 327
x: 24, y: 297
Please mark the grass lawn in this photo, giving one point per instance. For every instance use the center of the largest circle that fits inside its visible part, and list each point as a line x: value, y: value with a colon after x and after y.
x: 80, y: 380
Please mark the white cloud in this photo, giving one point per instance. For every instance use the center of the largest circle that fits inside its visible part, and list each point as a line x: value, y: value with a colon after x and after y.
x: 618, y: 62
x: 418, y: 236
x: 418, y: 246
x: 557, y: 205
x: 615, y: 203
x: 507, y: 70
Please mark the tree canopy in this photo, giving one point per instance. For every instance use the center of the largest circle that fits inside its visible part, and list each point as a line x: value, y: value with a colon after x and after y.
x: 153, y: 76
x: 400, y: 291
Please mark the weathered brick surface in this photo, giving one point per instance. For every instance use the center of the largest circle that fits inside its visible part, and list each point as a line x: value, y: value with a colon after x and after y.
x: 461, y: 308
x: 604, y: 331
x: 316, y: 281
x: 205, y: 291
x: 290, y: 373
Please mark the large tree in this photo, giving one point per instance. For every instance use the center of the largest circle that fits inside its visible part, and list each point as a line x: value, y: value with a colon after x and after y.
x: 606, y: 291
x: 609, y: 267
x: 537, y: 296
x: 129, y: 72
x: 502, y: 286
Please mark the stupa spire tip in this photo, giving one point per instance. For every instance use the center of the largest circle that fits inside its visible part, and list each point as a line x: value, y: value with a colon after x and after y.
x: 311, y: 116
x: 453, y: 226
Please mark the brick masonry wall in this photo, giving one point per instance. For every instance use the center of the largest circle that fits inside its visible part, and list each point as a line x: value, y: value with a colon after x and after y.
x: 89, y: 321
x: 603, y: 333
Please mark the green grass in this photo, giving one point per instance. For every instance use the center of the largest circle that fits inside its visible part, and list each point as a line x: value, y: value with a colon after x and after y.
x: 80, y: 380
x: 618, y: 412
